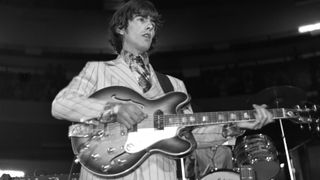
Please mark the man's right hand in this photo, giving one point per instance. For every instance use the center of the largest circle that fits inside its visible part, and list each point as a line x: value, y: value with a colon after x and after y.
x: 130, y: 115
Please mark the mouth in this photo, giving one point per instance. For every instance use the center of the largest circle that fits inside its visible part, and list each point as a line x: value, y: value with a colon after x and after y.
x: 147, y: 35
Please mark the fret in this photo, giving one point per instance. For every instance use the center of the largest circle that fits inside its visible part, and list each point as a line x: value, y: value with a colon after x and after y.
x: 212, y: 117
x: 233, y: 116
x: 184, y: 119
x: 204, y: 118
x: 221, y: 117
x: 274, y: 112
x: 240, y: 115
x: 173, y: 119
x: 198, y: 118
x: 192, y: 118
x: 246, y: 115
x: 278, y: 113
x: 251, y: 114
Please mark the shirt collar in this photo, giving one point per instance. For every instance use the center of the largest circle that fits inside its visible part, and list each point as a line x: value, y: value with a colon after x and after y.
x: 127, y: 56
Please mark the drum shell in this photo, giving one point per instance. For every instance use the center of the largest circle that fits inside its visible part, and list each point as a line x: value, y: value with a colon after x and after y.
x: 258, y: 150
x: 222, y: 174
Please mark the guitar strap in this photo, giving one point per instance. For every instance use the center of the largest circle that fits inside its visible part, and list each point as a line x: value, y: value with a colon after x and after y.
x: 165, y: 82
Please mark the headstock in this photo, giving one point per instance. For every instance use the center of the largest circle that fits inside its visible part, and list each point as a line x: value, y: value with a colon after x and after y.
x: 306, y: 115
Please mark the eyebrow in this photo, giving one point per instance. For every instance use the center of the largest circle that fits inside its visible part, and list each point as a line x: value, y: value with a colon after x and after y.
x: 145, y: 16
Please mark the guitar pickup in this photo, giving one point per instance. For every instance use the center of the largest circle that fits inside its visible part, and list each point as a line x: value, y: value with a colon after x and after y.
x: 158, y: 120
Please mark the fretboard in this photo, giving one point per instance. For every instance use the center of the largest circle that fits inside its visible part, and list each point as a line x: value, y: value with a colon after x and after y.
x: 212, y: 118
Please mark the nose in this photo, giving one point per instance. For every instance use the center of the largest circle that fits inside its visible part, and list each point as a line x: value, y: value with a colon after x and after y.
x: 150, y: 25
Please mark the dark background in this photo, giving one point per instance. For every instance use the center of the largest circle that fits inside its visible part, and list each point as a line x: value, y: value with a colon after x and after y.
x: 226, y: 51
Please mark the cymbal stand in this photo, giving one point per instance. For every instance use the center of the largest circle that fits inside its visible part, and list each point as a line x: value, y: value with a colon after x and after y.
x: 290, y: 168
x: 183, y: 172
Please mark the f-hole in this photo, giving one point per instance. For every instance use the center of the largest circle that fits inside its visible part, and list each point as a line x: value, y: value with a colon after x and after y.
x: 140, y: 105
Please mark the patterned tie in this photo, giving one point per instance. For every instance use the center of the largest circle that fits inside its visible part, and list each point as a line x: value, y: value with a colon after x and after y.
x: 142, y: 72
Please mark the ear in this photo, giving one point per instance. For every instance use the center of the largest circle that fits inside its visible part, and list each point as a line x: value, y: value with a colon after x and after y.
x: 120, y: 31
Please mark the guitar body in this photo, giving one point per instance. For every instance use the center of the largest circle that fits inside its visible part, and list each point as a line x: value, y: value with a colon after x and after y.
x: 111, y: 151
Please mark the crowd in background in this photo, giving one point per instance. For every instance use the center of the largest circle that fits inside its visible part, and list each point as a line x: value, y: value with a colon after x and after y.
x: 236, y: 80
x: 34, y: 86
x: 230, y: 80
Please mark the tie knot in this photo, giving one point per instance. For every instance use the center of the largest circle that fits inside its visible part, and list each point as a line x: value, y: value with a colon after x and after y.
x: 138, y: 60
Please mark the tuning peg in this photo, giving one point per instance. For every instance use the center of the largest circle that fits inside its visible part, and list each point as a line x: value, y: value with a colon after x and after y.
x: 301, y: 127
x: 318, y: 125
x: 315, y: 107
x: 310, y: 120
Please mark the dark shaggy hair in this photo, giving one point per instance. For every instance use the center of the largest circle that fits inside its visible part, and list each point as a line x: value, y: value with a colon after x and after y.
x: 127, y: 12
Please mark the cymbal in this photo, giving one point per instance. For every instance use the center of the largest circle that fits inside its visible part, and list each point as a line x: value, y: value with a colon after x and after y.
x: 279, y: 97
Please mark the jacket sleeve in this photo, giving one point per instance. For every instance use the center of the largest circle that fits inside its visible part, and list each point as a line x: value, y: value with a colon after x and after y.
x: 73, y: 102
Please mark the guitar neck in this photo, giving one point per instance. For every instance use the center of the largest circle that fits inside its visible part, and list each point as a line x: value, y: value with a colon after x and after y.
x: 223, y: 117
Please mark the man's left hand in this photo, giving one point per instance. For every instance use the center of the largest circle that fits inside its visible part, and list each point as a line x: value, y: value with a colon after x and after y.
x: 262, y: 115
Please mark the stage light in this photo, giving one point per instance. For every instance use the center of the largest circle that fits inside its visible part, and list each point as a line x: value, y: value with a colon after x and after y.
x: 12, y: 173
x: 309, y: 28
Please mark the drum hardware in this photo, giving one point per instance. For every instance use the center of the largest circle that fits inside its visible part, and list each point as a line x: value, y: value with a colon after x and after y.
x: 258, y: 152
x: 247, y: 173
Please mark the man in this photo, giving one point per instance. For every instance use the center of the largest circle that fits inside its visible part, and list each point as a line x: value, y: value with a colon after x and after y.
x: 133, y: 29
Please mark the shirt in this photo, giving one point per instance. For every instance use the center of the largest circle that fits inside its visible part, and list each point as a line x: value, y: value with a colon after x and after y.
x: 73, y: 103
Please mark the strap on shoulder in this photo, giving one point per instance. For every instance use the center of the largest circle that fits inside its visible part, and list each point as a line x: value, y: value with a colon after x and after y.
x: 164, y: 82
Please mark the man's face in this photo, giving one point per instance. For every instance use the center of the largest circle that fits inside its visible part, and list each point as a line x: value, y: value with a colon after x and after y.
x: 138, y: 36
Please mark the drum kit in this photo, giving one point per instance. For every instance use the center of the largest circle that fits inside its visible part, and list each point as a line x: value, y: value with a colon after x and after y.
x: 255, y: 156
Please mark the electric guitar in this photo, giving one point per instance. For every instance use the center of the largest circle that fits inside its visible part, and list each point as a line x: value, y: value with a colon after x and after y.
x: 109, y: 150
